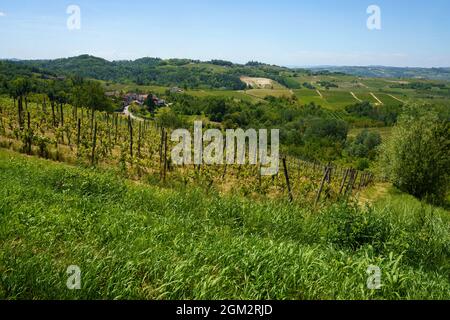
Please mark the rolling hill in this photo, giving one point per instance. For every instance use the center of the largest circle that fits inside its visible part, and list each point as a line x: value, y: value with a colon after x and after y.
x: 391, y: 72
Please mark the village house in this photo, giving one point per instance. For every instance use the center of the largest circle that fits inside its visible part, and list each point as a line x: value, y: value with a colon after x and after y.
x: 135, y: 97
x: 176, y: 90
x: 158, y: 102
x: 130, y: 98
x: 112, y: 94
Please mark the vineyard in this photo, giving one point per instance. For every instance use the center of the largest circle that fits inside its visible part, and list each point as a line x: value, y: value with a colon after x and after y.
x: 157, y: 151
x: 140, y: 150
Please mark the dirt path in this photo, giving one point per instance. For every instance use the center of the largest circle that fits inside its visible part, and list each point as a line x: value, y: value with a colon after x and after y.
x: 354, y: 96
x: 390, y: 95
x: 373, y: 194
x: 126, y: 112
x: 363, y: 85
x: 319, y: 93
x: 376, y: 98
x: 253, y: 96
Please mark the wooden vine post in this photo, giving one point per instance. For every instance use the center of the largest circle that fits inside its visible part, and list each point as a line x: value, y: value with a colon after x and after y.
x: 351, y: 182
x: 29, y: 135
x: 161, y: 148
x: 62, y: 114
x: 130, y: 129
x: 116, y: 122
x: 224, y: 171
x: 78, y: 132
x: 354, y: 181
x: 259, y: 174
x: 94, y: 142
x: 139, y: 141
x: 361, y: 181
x: 53, y: 113
x: 350, y: 178
x: 344, y: 179
x: 20, y: 111
x: 286, y: 175
x: 319, y: 192
x: 330, y: 171
x: 165, y: 156
x: 110, y: 146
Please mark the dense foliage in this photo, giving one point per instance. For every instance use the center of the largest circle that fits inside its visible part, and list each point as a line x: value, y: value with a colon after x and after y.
x: 417, y: 156
x: 364, y: 145
x: 150, y: 71
x: 307, y: 131
x: 386, y: 114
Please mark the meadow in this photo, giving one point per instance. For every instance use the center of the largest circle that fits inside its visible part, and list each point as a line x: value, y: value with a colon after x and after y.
x: 144, y: 241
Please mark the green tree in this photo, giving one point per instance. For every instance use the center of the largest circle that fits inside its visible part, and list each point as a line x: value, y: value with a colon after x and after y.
x: 365, y: 144
x: 150, y: 103
x: 332, y: 129
x: 417, y: 156
x: 77, y: 95
x: 167, y: 118
x: 95, y: 99
x: 19, y: 90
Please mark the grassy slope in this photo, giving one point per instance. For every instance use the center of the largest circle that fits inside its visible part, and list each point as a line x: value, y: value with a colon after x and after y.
x: 135, y: 241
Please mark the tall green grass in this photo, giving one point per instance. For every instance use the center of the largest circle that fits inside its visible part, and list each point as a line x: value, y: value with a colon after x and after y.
x: 145, y: 242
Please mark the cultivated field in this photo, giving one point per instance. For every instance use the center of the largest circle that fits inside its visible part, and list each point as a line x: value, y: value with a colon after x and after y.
x: 350, y: 90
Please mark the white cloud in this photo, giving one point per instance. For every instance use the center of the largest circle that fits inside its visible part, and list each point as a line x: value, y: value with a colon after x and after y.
x: 2, y: 14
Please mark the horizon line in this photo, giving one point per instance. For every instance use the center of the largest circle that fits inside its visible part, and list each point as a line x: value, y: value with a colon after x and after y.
x: 289, y: 66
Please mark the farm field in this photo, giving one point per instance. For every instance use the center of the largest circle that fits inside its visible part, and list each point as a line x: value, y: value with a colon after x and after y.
x: 366, y: 97
x: 338, y: 99
x: 384, y: 132
x: 136, y: 241
x: 341, y: 97
x: 111, y: 87
x: 307, y: 96
x: 362, y: 88
x: 241, y: 95
x: 262, y: 93
x: 389, y: 99
x: 334, y: 99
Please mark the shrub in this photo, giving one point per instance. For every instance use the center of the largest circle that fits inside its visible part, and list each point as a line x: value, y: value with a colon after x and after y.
x: 417, y: 156
x: 350, y: 227
x: 167, y: 118
x: 363, y: 164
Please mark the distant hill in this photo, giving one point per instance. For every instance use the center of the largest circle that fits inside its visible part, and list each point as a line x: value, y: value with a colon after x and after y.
x: 154, y: 71
x: 391, y: 72
x: 187, y: 73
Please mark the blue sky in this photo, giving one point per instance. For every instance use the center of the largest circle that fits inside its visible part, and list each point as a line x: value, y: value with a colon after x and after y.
x: 283, y: 32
